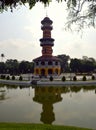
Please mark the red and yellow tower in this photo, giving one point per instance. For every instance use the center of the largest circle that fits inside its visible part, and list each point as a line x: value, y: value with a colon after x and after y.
x: 47, y: 64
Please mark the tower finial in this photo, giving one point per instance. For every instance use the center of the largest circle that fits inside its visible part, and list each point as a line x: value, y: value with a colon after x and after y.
x: 46, y: 13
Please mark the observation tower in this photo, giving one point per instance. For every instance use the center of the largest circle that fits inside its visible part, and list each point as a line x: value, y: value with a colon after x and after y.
x: 47, y: 64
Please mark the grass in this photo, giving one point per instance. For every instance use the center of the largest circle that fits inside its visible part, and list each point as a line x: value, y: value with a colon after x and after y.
x: 26, y: 126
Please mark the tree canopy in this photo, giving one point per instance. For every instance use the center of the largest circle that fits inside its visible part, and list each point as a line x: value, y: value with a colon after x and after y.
x: 80, y: 12
x: 84, y: 65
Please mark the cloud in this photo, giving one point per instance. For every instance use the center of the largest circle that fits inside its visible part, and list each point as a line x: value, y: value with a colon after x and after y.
x: 19, y: 49
x: 75, y: 46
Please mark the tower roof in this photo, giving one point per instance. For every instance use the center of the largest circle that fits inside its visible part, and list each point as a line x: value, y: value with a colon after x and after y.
x: 46, y: 58
x: 46, y: 20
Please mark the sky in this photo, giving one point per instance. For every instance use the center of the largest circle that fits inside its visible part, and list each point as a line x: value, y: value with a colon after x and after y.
x: 20, y: 32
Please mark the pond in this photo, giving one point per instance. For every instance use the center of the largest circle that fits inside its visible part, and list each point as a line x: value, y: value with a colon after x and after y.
x: 72, y: 106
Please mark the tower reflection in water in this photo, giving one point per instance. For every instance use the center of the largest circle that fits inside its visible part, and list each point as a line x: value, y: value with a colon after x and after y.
x: 47, y: 96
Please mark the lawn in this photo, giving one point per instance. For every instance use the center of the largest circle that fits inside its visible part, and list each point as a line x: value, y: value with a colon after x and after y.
x: 25, y: 126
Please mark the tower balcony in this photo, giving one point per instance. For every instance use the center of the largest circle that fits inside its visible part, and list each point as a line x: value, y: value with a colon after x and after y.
x: 44, y: 27
x: 47, y: 41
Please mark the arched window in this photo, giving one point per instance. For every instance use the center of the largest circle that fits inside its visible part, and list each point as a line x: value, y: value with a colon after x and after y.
x: 42, y: 72
x: 37, y: 71
x: 50, y: 71
x: 56, y: 63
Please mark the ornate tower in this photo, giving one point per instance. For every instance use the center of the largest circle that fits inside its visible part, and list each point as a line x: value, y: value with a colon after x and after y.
x: 46, y: 41
x: 47, y: 64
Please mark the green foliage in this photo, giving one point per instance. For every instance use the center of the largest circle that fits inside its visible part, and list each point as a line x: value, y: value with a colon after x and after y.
x: 14, y: 67
x: 30, y: 126
x: 5, y: 4
x: 84, y: 78
x: 63, y: 78
x: 20, y: 78
x: 77, y: 17
x: 86, y: 65
x: 8, y: 77
x: 51, y: 78
x: 93, y: 77
x: 64, y: 62
x: 2, y: 67
x: 74, y: 78
x: 13, y: 77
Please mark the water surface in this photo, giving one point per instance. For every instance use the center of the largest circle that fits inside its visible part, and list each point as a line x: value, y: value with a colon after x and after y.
x: 75, y: 106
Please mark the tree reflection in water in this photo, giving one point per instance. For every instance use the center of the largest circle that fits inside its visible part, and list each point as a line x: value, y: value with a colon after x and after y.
x: 2, y: 95
x: 4, y: 89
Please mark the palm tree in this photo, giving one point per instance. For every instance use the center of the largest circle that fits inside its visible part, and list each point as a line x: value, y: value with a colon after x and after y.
x: 2, y: 56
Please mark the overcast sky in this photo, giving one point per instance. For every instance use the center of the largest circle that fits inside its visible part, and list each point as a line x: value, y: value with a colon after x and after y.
x: 20, y: 32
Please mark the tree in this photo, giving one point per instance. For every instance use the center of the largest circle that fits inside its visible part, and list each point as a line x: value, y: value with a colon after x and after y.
x: 80, y: 12
x: 2, y: 67
x: 12, y: 66
x: 76, y: 65
x: 2, y: 56
x: 64, y: 62
x: 26, y: 67
x: 85, y: 64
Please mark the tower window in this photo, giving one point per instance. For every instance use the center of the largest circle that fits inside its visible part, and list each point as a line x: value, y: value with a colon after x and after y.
x: 56, y: 63
x: 42, y: 63
x: 37, y: 63
x: 50, y: 63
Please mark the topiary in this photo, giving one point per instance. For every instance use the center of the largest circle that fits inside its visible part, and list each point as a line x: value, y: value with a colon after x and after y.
x: 93, y: 77
x: 84, y: 78
x: 51, y: 78
x: 13, y: 77
x: 63, y: 78
x: 20, y: 78
x: 8, y: 77
x: 74, y: 78
x: 2, y: 76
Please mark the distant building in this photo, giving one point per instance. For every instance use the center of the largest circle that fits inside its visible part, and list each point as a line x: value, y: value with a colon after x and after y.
x: 47, y: 64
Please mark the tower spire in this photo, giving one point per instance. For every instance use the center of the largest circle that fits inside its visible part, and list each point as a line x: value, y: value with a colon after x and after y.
x: 46, y: 12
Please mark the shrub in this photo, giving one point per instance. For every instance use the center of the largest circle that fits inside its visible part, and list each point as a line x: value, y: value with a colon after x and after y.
x: 63, y: 78
x: 13, y: 77
x: 84, y: 78
x: 93, y: 77
x: 51, y: 78
x: 8, y: 77
x: 20, y: 78
x: 2, y: 76
x: 74, y: 78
